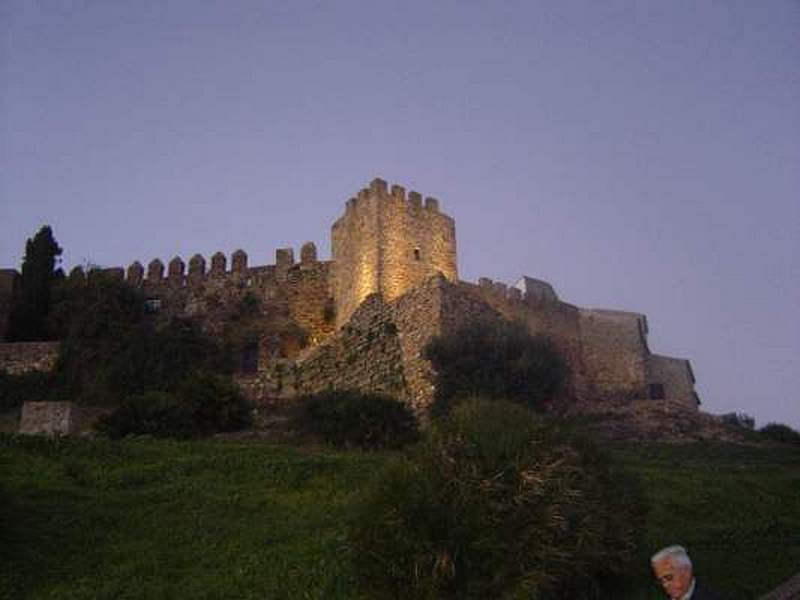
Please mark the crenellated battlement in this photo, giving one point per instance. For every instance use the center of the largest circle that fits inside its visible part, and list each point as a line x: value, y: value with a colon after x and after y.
x: 177, y: 273
x: 379, y: 190
x: 397, y: 247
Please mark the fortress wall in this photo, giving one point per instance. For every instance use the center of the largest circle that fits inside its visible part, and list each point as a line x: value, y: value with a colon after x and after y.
x: 614, y: 353
x: 309, y: 299
x: 675, y: 374
x: 23, y: 357
x: 365, y: 354
x: 388, y: 242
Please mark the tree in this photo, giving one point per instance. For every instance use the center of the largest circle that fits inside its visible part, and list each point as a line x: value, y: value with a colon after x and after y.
x: 495, y: 359
x: 29, y: 314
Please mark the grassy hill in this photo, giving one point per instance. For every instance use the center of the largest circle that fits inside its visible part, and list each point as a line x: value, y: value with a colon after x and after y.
x: 90, y: 518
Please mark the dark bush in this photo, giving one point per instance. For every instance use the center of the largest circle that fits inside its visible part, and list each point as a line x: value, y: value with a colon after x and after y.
x: 160, y: 357
x: 203, y: 404
x: 356, y: 420
x: 778, y: 432
x: 26, y: 387
x: 496, y: 505
x: 154, y: 413
x: 214, y: 404
x: 495, y: 359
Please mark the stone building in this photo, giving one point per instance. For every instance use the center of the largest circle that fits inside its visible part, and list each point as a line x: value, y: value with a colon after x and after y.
x: 362, y: 319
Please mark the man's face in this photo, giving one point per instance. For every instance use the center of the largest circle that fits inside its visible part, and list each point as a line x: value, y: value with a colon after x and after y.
x: 673, y: 578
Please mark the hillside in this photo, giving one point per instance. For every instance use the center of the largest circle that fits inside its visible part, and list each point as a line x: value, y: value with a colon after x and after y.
x: 244, y: 519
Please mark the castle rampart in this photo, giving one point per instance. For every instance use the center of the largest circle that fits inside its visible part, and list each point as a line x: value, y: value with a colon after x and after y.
x: 363, y: 318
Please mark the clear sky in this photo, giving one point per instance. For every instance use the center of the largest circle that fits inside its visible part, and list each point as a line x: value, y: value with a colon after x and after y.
x: 637, y: 155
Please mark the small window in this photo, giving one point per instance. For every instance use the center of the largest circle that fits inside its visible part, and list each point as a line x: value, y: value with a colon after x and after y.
x: 657, y: 391
x: 152, y: 305
x: 416, y: 254
x: 250, y: 358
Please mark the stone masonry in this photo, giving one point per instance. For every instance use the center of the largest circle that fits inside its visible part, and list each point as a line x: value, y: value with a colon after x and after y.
x: 362, y: 319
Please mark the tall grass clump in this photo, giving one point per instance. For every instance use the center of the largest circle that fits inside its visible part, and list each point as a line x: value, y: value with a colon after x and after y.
x: 494, y: 504
x: 352, y: 419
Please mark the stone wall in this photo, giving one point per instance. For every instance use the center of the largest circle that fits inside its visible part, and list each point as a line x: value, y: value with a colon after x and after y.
x: 614, y: 353
x: 296, y: 307
x: 22, y: 357
x: 675, y: 374
x: 388, y: 243
x: 365, y: 354
x: 49, y: 418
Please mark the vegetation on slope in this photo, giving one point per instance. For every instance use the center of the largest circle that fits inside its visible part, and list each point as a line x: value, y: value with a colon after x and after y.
x: 144, y: 518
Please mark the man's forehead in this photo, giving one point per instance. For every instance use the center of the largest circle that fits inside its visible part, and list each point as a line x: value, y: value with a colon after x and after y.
x: 665, y: 564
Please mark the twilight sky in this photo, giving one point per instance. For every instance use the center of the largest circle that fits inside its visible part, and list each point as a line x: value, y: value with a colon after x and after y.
x: 637, y: 155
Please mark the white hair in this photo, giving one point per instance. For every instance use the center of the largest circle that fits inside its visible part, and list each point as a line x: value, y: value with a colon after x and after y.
x: 676, y: 554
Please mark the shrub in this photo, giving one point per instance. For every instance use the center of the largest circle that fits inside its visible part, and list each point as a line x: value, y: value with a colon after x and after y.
x: 778, y: 432
x: 153, y: 413
x: 214, y: 404
x: 356, y: 420
x: 496, y: 505
x: 202, y: 405
x: 25, y: 387
x: 495, y: 359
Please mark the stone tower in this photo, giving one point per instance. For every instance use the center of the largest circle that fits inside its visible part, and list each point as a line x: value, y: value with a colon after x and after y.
x: 388, y: 243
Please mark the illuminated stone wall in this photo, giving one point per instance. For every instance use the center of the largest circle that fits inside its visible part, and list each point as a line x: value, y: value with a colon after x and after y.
x: 388, y: 242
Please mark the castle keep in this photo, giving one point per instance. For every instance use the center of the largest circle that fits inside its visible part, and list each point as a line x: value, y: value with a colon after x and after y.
x: 362, y: 319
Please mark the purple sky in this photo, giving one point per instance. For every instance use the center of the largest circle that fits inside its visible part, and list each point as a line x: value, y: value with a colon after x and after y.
x: 637, y: 155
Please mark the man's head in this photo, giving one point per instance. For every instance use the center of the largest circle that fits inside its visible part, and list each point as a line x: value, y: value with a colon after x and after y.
x: 673, y: 569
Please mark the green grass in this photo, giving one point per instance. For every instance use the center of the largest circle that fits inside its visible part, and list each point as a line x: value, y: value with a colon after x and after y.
x: 222, y: 519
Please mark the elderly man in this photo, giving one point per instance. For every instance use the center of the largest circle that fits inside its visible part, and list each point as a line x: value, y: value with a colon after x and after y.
x: 673, y: 569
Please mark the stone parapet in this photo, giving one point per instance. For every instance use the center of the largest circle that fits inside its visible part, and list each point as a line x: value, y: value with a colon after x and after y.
x: 49, y: 418
x: 22, y: 357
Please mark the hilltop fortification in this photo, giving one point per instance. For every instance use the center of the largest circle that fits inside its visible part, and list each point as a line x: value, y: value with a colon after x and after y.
x: 363, y: 318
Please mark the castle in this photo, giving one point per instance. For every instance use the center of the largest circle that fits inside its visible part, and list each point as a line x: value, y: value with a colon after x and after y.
x: 362, y: 319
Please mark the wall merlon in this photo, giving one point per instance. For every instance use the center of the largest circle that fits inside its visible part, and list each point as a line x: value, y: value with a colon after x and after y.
x: 485, y: 282
x: 155, y: 271
x: 399, y: 192
x: 308, y: 253
x: 239, y: 262
x: 351, y: 204
x: 432, y: 204
x: 176, y: 268
x: 378, y: 185
x: 197, y: 267
x: 218, y: 264
x: 135, y: 273
x: 415, y: 200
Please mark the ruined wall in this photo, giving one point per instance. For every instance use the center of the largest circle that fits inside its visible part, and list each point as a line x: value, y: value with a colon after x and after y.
x: 614, y: 353
x: 676, y: 375
x: 365, y: 354
x: 49, y: 418
x: 388, y: 243
x: 9, y: 284
x: 23, y: 357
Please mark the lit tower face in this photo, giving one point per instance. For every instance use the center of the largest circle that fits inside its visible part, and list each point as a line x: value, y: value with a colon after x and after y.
x: 388, y: 243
